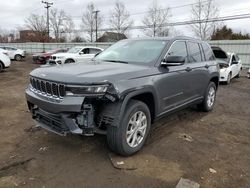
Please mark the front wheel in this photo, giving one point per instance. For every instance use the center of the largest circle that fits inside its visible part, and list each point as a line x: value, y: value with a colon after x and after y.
x: 209, y: 99
x: 1, y: 67
x: 229, y: 77
x: 130, y: 135
x: 18, y: 57
x: 69, y: 61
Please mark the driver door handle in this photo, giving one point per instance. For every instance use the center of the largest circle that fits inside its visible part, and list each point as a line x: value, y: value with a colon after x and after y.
x: 206, y: 66
x: 188, y: 69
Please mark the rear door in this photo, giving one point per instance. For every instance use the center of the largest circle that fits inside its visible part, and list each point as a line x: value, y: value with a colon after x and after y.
x: 198, y: 70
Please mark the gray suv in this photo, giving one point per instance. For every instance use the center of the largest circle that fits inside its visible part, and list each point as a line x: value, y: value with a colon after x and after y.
x: 124, y: 89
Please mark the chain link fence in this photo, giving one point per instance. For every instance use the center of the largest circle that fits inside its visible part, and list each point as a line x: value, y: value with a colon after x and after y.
x: 241, y: 47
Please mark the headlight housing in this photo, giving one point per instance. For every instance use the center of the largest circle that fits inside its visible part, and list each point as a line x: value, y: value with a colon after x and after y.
x: 86, y: 90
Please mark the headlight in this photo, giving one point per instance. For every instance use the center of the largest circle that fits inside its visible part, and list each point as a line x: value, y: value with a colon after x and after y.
x: 223, y: 70
x: 86, y: 90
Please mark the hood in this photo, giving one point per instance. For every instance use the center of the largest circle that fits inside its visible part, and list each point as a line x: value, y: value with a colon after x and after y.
x: 91, y: 72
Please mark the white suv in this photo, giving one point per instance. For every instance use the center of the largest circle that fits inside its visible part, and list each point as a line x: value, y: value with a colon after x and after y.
x: 76, y: 54
x: 4, y: 60
x: 14, y: 53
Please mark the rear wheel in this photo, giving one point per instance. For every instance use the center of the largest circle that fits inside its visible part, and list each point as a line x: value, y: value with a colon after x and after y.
x: 209, y: 100
x: 18, y: 57
x: 129, y: 136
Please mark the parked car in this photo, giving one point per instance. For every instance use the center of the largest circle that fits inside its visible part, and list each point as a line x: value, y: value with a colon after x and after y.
x: 14, y: 53
x: 76, y: 54
x: 230, y: 64
x: 248, y: 73
x: 4, y: 60
x: 42, y: 58
x: 124, y: 89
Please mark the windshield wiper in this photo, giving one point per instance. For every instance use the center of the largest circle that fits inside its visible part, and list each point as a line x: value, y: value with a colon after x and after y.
x: 116, y: 61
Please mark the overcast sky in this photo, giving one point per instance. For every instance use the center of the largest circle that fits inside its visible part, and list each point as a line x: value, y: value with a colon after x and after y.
x: 13, y: 12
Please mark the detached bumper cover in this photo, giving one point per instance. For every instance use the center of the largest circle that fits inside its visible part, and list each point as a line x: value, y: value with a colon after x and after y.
x: 61, y: 117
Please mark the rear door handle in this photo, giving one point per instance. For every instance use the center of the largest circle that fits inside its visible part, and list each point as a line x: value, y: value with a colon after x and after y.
x: 188, y: 69
x: 206, y: 66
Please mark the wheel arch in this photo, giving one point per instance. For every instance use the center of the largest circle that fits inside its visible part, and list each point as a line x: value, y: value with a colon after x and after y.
x: 2, y: 64
x: 145, y: 95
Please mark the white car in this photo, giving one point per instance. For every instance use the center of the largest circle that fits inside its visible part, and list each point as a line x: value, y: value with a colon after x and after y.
x: 230, y: 65
x: 14, y: 53
x: 76, y: 54
x: 248, y: 73
x: 4, y: 60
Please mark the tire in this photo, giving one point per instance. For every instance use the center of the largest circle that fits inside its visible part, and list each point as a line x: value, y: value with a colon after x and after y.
x: 1, y: 67
x: 18, y: 57
x: 118, y: 137
x: 209, y: 99
x: 229, y: 77
x: 69, y: 61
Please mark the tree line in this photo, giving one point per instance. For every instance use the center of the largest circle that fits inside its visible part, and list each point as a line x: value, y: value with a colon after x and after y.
x: 154, y: 22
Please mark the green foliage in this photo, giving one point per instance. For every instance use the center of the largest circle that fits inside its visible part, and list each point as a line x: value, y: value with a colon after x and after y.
x: 226, y: 33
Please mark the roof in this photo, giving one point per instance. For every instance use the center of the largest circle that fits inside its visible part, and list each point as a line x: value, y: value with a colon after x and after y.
x: 111, y: 37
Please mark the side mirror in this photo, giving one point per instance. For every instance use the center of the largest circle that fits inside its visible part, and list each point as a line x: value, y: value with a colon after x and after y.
x: 235, y: 62
x: 81, y: 53
x: 173, y: 61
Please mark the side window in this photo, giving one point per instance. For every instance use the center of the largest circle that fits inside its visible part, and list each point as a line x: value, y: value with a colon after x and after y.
x: 233, y: 59
x: 94, y: 51
x: 179, y: 48
x: 194, y: 52
x: 209, y: 55
x: 85, y: 51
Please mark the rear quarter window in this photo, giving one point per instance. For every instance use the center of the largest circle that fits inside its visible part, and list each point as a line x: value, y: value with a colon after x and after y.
x: 208, y: 52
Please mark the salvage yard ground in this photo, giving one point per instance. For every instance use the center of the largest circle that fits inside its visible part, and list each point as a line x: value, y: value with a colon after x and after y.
x: 212, y: 149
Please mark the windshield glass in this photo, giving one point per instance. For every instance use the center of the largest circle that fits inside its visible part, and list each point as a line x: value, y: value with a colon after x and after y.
x: 133, y: 51
x: 74, y: 50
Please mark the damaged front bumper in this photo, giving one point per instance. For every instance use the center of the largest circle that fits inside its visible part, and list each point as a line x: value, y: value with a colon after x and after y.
x: 68, y: 115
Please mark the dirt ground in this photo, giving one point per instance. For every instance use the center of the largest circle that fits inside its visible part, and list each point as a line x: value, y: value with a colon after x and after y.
x: 212, y: 149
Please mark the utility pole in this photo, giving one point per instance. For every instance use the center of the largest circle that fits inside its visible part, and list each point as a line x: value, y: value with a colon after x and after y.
x: 96, y: 27
x: 48, y: 5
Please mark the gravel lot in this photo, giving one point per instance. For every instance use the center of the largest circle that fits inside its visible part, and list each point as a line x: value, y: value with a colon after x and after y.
x: 212, y: 149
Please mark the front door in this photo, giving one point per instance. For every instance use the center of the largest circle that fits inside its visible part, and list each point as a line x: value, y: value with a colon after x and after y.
x: 173, y: 85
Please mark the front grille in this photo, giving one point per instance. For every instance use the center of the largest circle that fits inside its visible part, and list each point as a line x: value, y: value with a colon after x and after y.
x: 48, y: 88
x: 53, y: 121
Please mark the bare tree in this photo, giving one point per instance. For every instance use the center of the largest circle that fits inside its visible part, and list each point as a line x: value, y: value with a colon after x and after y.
x: 120, y: 18
x: 156, y: 20
x: 89, y: 21
x: 36, y: 22
x: 202, y: 12
x: 60, y: 23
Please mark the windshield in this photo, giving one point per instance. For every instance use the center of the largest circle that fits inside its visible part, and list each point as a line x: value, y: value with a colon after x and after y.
x: 133, y: 51
x: 74, y: 50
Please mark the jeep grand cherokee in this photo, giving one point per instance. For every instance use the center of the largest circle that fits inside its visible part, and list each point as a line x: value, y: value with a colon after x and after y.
x: 124, y: 89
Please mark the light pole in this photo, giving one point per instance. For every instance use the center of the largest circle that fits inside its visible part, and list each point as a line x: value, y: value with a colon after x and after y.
x: 48, y: 5
x: 96, y: 27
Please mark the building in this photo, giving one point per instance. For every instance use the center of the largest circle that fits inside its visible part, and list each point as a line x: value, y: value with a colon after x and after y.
x: 33, y: 36
x: 111, y: 37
